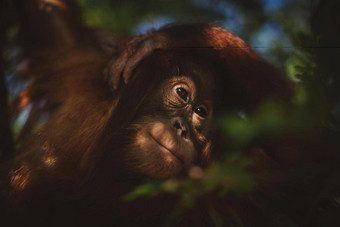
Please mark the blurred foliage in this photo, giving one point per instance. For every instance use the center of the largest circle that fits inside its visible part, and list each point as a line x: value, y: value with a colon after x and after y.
x: 247, y: 18
x: 228, y: 176
x: 123, y: 16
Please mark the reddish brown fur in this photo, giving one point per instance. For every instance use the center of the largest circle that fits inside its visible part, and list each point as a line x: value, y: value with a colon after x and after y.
x: 74, y: 167
x: 81, y: 146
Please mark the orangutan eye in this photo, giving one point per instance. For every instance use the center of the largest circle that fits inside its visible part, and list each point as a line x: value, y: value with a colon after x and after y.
x: 201, y: 111
x: 182, y: 93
